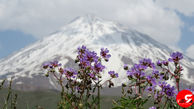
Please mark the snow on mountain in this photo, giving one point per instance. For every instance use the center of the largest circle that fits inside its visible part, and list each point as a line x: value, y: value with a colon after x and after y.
x: 126, y: 46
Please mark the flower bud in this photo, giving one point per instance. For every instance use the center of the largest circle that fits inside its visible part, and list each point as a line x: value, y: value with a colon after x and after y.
x: 126, y: 67
x: 99, y: 76
x: 81, y: 105
x: 124, y: 85
x: 76, y: 61
x: 67, y: 86
x: 130, y: 91
x: 47, y: 75
x: 165, y: 63
x: 166, y: 77
x: 162, y: 73
x: 110, y: 84
x: 149, y: 95
x: 45, y: 67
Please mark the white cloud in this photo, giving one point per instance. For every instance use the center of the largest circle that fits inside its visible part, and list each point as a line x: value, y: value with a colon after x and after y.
x: 1, y: 10
x: 161, y: 24
x: 190, y: 51
x: 41, y: 17
x: 185, y: 7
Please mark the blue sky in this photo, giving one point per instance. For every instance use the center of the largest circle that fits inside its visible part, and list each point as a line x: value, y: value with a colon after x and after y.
x: 187, y: 36
x: 12, y: 41
x: 167, y: 21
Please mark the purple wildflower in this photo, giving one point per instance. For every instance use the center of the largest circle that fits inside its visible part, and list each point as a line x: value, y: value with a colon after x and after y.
x: 139, y: 67
x: 151, y: 80
x: 150, y: 89
x: 91, y: 56
x: 137, y: 71
x: 84, y: 63
x: 159, y: 63
x: 92, y: 75
x: 82, y: 49
x: 175, y: 57
x: 156, y: 74
x: 125, y: 67
x: 70, y: 73
x: 46, y: 65
x: 165, y: 63
x: 113, y: 74
x: 51, y: 64
x: 129, y: 73
x: 147, y: 63
x: 167, y: 89
x: 55, y: 64
x: 98, y: 67
x: 104, y: 53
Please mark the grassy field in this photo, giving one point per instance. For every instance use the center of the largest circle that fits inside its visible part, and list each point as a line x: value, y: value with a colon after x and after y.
x: 46, y: 99
x: 49, y: 99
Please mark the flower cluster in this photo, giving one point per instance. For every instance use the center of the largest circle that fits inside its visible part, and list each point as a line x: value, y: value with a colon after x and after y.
x: 154, y: 82
x: 113, y: 74
x: 104, y: 53
x: 167, y: 89
x: 70, y: 73
x: 138, y: 70
x: 86, y: 58
x: 163, y: 89
x: 175, y: 57
x: 147, y: 63
x: 89, y: 60
x: 145, y: 77
x: 52, y: 64
x: 83, y: 81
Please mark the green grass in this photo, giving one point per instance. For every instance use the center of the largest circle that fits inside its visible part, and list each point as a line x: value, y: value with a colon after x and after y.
x: 46, y: 99
x: 49, y: 99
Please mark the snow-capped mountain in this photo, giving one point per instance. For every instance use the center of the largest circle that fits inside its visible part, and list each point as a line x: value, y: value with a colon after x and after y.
x: 126, y: 46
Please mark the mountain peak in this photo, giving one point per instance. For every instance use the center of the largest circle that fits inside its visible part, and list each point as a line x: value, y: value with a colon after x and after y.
x: 88, y: 18
x: 91, y: 26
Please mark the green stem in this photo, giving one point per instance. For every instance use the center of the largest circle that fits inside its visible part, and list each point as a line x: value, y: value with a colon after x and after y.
x: 15, y: 101
x: 98, y: 97
x: 177, y: 84
x: 2, y: 83
x: 86, y: 100
x: 139, y: 92
x: 62, y: 90
x: 8, y: 95
x: 165, y: 103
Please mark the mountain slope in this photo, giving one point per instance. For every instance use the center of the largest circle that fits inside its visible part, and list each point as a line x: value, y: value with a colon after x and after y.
x: 125, y: 45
